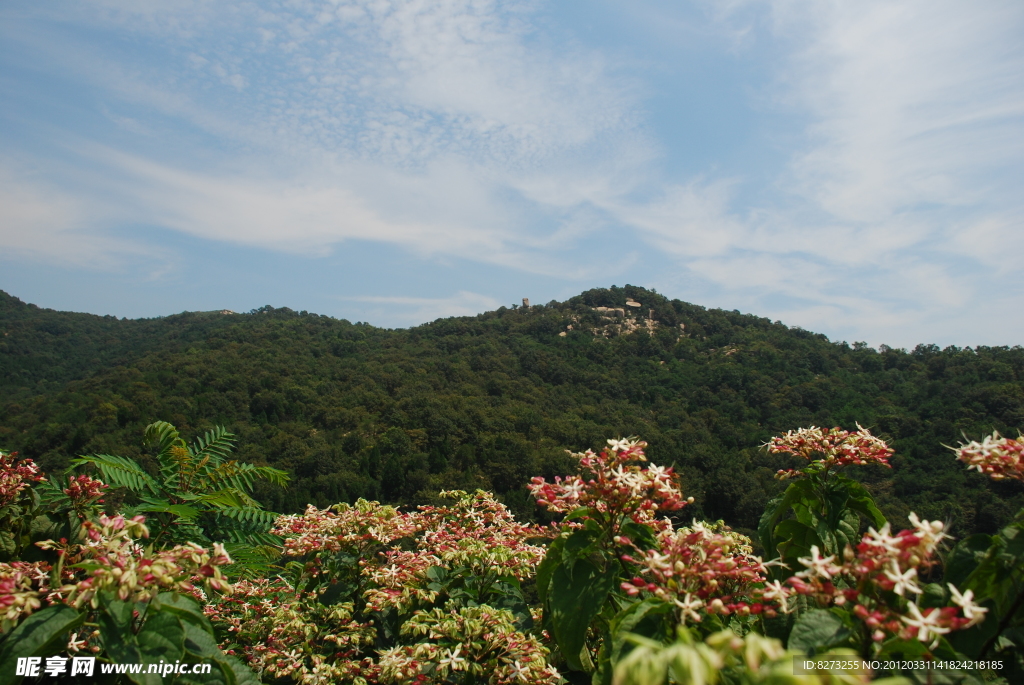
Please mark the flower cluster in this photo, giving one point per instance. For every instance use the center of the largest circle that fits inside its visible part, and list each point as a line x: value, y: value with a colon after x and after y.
x: 356, y: 528
x: 614, y: 482
x: 481, y: 533
x: 400, y: 581
x: 834, y: 448
x: 705, y: 568
x: 15, y: 476
x: 22, y: 586
x: 880, y: 577
x: 83, y: 490
x: 476, y: 532
x: 282, y: 633
x: 996, y: 456
x: 470, y: 644
x: 111, y: 559
x: 386, y: 557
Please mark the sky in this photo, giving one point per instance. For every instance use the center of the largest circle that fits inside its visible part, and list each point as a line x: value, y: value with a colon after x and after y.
x: 852, y: 168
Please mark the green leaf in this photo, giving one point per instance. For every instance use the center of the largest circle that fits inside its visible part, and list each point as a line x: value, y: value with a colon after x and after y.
x: 182, y: 511
x: 575, y: 601
x: 162, y: 637
x: 547, y: 567
x: 115, y: 624
x: 44, y: 633
x: 775, y: 509
x: 185, y: 608
x: 641, y: 534
x: 860, y: 501
x: 163, y: 435
x: 796, y: 540
x: 816, y: 631
x: 579, y: 544
x: 627, y: 620
x: 120, y: 472
x: 217, y: 444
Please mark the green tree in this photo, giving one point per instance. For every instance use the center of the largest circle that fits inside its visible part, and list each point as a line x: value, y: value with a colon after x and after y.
x: 200, y: 493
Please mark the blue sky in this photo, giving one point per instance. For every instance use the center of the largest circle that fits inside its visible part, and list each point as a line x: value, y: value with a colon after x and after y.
x: 853, y: 168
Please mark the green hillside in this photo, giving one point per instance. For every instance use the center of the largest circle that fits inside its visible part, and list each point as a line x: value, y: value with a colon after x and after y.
x: 357, y: 411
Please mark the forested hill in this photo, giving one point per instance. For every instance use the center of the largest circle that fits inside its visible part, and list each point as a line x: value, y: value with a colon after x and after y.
x: 489, y: 401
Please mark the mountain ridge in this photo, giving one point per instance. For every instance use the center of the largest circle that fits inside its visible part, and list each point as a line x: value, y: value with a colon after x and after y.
x: 493, y: 399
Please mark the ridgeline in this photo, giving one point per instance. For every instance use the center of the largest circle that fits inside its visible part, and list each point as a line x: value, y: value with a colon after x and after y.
x: 489, y: 401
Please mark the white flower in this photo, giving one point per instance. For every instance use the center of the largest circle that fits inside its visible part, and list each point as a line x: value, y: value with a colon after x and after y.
x: 882, y: 538
x: 620, y: 445
x: 817, y: 565
x: 451, y: 659
x: 926, y: 626
x: 689, y: 606
x: 520, y: 672
x: 972, y: 612
x: 930, y: 532
x: 904, y: 581
x: 775, y: 590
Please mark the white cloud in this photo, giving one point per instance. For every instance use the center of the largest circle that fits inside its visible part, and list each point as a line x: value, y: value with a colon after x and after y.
x: 40, y: 221
x: 415, y: 310
x: 460, y: 128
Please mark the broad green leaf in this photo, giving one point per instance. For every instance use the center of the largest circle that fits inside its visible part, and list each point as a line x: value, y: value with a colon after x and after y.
x: 575, y: 601
x: 861, y: 501
x: 116, y: 631
x: 642, y: 535
x: 186, y: 609
x: 774, y: 511
x: 816, y: 631
x: 627, y: 620
x: 547, y: 566
x: 795, y: 540
x: 44, y: 633
x: 579, y: 544
x: 162, y: 638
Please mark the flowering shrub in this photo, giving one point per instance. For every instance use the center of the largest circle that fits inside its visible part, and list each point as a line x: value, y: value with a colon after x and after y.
x: 369, y: 594
x: 990, y: 568
x: 705, y: 569
x: 611, y: 509
x: 878, y: 582
x: 15, y: 476
x: 614, y: 486
x: 366, y: 579
x: 472, y: 644
x: 995, y: 456
x: 131, y: 598
x: 284, y: 633
x: 835, y: 447
x: 822, y: 508
x: 113, y: 561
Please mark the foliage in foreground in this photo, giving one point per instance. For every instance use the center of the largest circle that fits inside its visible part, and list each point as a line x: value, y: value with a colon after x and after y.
x: 619, y: 591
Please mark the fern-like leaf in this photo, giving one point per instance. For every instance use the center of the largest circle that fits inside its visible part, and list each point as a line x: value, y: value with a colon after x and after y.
x: 217, y: 444
x: 259, y: 517
x: 163, y: 435
x: 225, y: 497
x: 120, y: 472
x: 242, y: 475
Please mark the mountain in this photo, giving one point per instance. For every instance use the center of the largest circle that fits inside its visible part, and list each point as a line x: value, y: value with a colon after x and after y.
x: 489, y: 401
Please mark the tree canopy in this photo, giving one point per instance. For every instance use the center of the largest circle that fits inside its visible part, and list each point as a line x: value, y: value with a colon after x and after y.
x: 351, y: 410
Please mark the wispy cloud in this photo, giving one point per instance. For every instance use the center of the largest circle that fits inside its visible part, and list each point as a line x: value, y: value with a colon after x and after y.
x: 414, y: 310
x: 467, y: 129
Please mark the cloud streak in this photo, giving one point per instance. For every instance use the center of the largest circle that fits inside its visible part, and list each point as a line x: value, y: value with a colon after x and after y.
x: 471, y: 129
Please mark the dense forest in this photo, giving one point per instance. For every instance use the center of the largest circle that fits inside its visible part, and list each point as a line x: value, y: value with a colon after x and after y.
x: 351, y: 410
